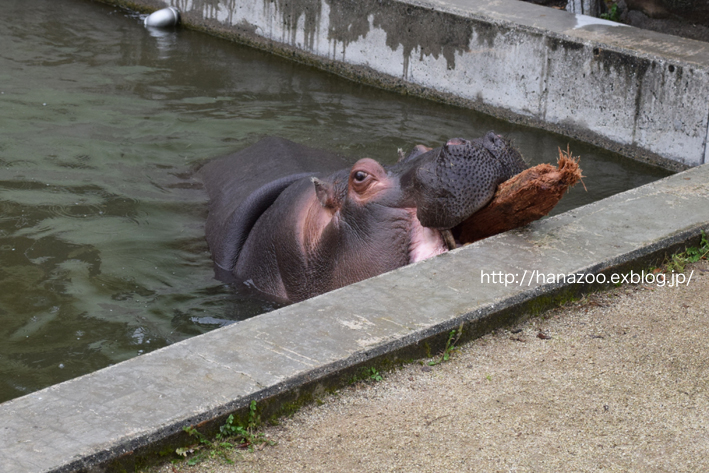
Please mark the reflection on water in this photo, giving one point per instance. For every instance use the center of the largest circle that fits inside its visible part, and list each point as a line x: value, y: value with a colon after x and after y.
x: 165, y: 40
x: 102, y: 251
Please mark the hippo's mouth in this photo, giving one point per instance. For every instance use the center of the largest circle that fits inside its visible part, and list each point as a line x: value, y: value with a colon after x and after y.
x: 424, y: 242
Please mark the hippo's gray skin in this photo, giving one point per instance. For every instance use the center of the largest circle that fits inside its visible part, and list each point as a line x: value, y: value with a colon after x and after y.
x: 293, y: 234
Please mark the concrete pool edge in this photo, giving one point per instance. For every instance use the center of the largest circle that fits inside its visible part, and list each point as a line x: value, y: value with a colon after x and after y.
x: 114, y: 417
x: 631, y: 91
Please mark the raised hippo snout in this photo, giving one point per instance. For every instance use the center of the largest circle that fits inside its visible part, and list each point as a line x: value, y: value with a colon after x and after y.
x: 451, y: 183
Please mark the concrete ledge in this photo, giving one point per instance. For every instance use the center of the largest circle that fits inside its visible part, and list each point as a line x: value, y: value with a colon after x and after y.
x: 109, y: 416
x: 636, y: 92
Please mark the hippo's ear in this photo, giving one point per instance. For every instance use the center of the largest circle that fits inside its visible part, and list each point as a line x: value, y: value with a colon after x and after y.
x: 417, y: 151
x: 324, y: 192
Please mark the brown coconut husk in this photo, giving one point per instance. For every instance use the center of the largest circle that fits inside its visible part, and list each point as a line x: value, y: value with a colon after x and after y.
x: 522, y: 199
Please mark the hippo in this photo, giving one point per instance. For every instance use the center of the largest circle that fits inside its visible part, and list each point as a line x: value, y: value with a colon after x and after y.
x: 285, y: 221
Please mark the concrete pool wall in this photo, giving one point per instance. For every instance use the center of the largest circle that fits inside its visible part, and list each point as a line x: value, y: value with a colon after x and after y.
x: 639, y: 93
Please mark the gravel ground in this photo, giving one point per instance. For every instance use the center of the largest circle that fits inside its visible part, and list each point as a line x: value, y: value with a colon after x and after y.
x: 622, y: 384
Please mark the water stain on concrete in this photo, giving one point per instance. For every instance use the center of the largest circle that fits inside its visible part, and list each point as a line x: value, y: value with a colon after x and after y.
x: 408, y: 28
x: 434, y: 35
x: 292, y: 12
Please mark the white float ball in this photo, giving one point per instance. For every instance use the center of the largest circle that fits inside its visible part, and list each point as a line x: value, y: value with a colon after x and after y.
x: 164, y: 18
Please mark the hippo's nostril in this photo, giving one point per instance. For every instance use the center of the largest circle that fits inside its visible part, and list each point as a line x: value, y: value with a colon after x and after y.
x: 493, y: 142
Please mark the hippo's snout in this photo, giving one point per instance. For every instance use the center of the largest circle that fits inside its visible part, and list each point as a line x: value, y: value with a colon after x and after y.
x: 503, y: 151
x: 461, y: 178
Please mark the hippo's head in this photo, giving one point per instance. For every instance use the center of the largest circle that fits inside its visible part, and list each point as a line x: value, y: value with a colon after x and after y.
x: 366, y: 211
x: 451, y: 183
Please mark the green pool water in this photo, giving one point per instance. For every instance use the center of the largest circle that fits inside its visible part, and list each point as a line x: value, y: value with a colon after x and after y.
x: 102, y: 251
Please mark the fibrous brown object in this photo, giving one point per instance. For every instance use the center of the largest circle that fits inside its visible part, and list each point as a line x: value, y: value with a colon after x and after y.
x: 522, y: 199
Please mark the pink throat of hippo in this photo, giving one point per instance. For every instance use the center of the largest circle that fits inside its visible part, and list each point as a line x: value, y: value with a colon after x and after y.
x: 424, y: 242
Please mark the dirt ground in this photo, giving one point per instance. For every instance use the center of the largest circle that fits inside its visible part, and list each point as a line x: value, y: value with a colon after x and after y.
x: 622, y: 384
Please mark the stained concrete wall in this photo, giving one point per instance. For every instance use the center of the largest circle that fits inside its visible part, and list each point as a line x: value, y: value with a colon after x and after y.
x: 639, y: 93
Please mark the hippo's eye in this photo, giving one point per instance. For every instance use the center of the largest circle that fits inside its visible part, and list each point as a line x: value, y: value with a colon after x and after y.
x: 360, y: 176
